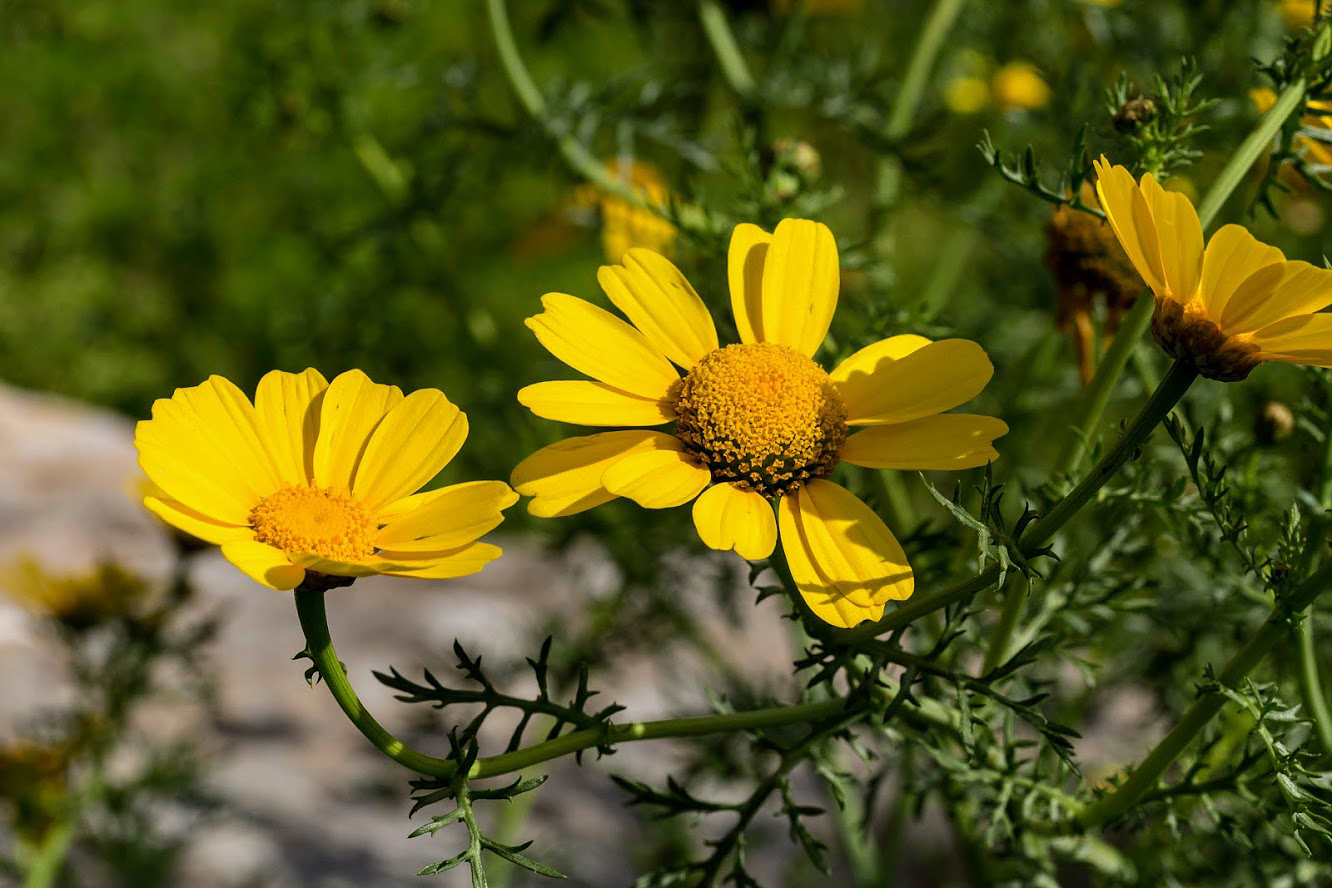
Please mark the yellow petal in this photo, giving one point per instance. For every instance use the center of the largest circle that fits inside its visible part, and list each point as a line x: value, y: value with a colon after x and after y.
x: 458, y: 562
x: 584, y: 402
x: 933, y: 378
x: 351, y: 410
x: 286, y: 407
x: 408, y: 503
x: 854, y: 376
x: 565, y: 478
x: 202, y: 448
x: 730, y: 518
x: 336, y: 567
x: 264, y: 564
x: 1302, y: 289
x: 184, y: 518
x: 1179, y: 234
x: 1300, y: 340
x: 816, y: 588
x: 656, y: 479
x: 456, y: 516
x: 659, y: 301
x: 944, y: 441
x: 414, y: 441
x: 593, y: 341
x: 1234, y: 256
x: 744, y: 267
x: 838, y: 548
x: 1131, y: 221
x: 801, y: 278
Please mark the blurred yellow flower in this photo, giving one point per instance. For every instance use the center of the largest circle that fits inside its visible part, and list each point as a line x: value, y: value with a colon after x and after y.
x: 1229, y: 307
x: 1019, y: 85
x: 1263, y: 98
x: 754, y: 423
x: 967, y: 95
x: 1297, y: 13
x: 320, y: 477
x: 625, y: 225
x: 78, y: 601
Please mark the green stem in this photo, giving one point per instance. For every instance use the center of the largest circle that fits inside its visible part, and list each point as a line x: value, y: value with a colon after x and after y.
x: 573, y: 151
x: 44, y: 865
x: 1167, y: 394
x: 1311, y: 684
x: 1258, y: 143
x: 314, y: 623
x: 726, y: 49
x: 931, y: 40
x: 1196, y: 717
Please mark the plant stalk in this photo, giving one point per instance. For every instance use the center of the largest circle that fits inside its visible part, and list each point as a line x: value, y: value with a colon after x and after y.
x: 1145, y: 776
x: 314, y: 623
x: 529, y: 96
x: 726, y: 49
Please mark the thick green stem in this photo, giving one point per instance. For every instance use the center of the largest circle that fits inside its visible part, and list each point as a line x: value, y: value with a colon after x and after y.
x: 314, y: 623
x: 1258, y: 143
x: 1145, y: 776
x: 1167, y: 394
x: 726, y: 49
x: 573, y: 151
x: 1311, y: 684
x: 319, y: 645
x: 41, y: 870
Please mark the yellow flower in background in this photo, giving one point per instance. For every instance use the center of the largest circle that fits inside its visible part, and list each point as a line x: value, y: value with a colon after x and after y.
x: 754, y: 423
x: 1229, y: 307
x: 1020, y: 86
x: 78, y: 601
x: 967, y: 95
x: 319, y: 476
x: 1317, y: 115
x: 625, y: 225
x: 1297, y: 13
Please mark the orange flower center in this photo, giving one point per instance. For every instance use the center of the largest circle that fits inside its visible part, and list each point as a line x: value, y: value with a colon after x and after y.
x: 323, y: 521
x: 761, y: 416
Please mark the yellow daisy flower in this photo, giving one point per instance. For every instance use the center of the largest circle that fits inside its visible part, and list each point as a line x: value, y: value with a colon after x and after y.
x: 754, y: 423
x: 1020, y: 86
x: 79, y: 601
x: 1227, y: 308
x: 319, y: 477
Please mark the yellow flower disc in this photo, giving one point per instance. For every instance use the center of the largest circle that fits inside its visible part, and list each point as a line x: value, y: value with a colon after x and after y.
x: 322, y: 521
x: 761, y: 416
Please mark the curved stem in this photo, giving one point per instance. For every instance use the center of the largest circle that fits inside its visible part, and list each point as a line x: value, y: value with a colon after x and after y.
x: 520, y: 79
x: 1167, y: 394
x: 319, y: 645
x: 726, y: 49
x: 314, y: 623
x: 1196, y: 717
